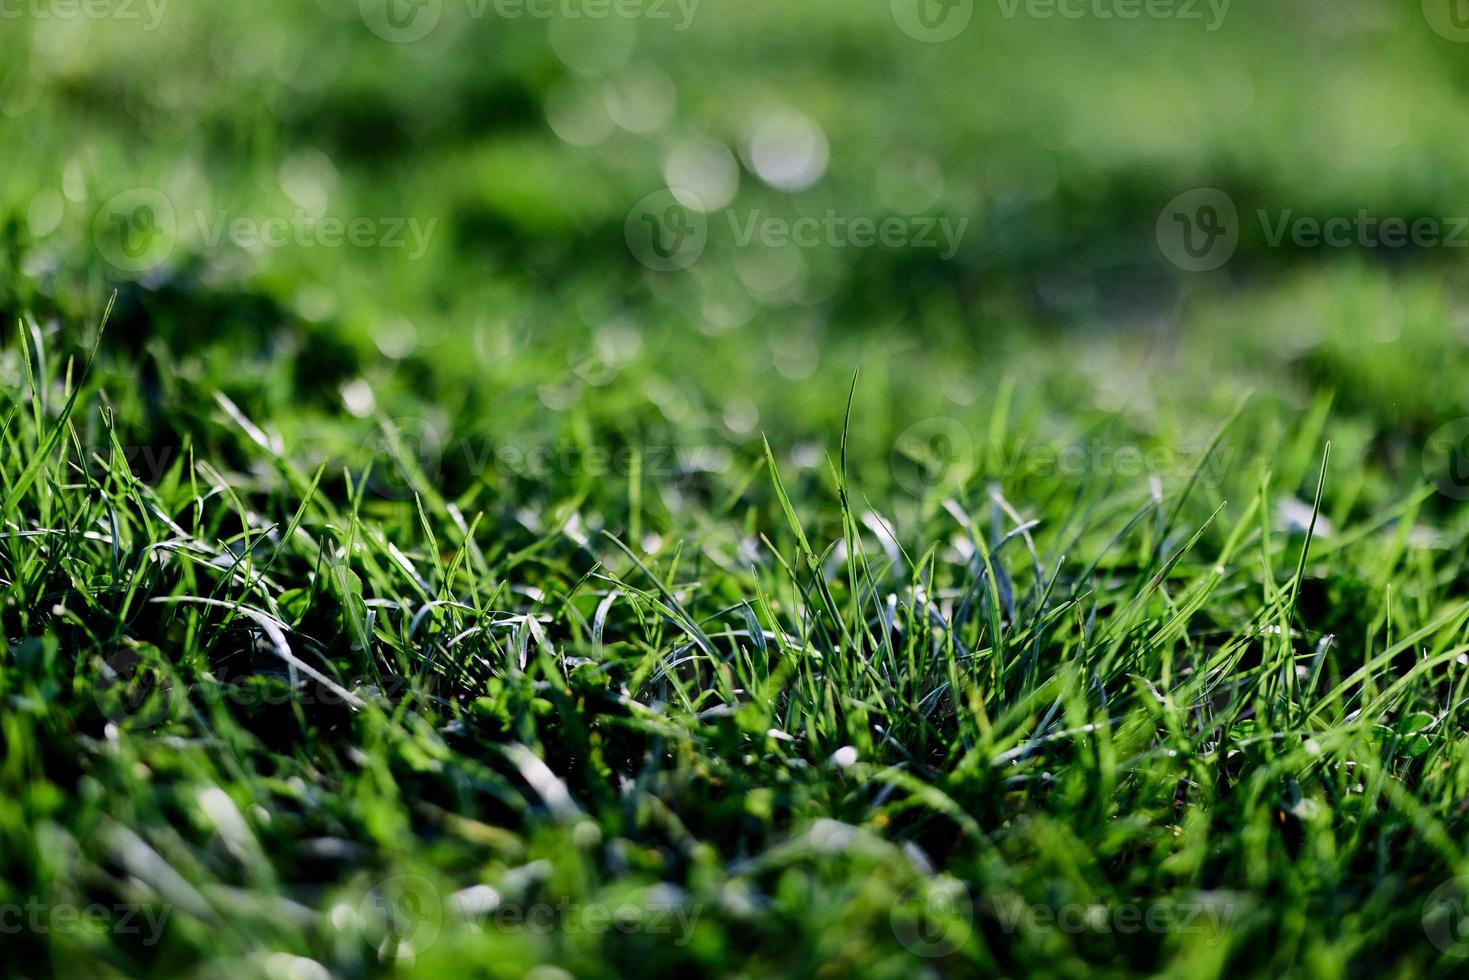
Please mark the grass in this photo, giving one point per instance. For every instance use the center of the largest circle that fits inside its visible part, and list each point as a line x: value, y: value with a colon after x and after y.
x: 514, y: 610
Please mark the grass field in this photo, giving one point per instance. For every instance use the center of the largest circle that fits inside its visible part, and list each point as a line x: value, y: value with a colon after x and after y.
x: 549, y: 488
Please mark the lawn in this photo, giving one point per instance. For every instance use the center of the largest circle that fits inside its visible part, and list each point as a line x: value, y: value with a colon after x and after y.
x: 544, y: 488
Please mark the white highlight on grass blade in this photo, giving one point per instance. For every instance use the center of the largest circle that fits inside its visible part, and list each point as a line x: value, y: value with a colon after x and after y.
x: 256, y: 434
x: 236, y: 834
x: 547, y: 785
x: 276, y: 631
x: 150, y: 868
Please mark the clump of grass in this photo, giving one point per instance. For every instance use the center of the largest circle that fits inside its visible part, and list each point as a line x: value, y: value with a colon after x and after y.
x: 336, y: 710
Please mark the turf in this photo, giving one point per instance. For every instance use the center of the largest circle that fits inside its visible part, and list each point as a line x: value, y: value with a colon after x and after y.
x: 494, y: 605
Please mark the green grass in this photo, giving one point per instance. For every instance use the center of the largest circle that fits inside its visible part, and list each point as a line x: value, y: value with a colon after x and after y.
x: 808, y: 612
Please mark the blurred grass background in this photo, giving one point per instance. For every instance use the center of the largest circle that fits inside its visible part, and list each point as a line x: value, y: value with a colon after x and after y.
x: 525, y: 142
